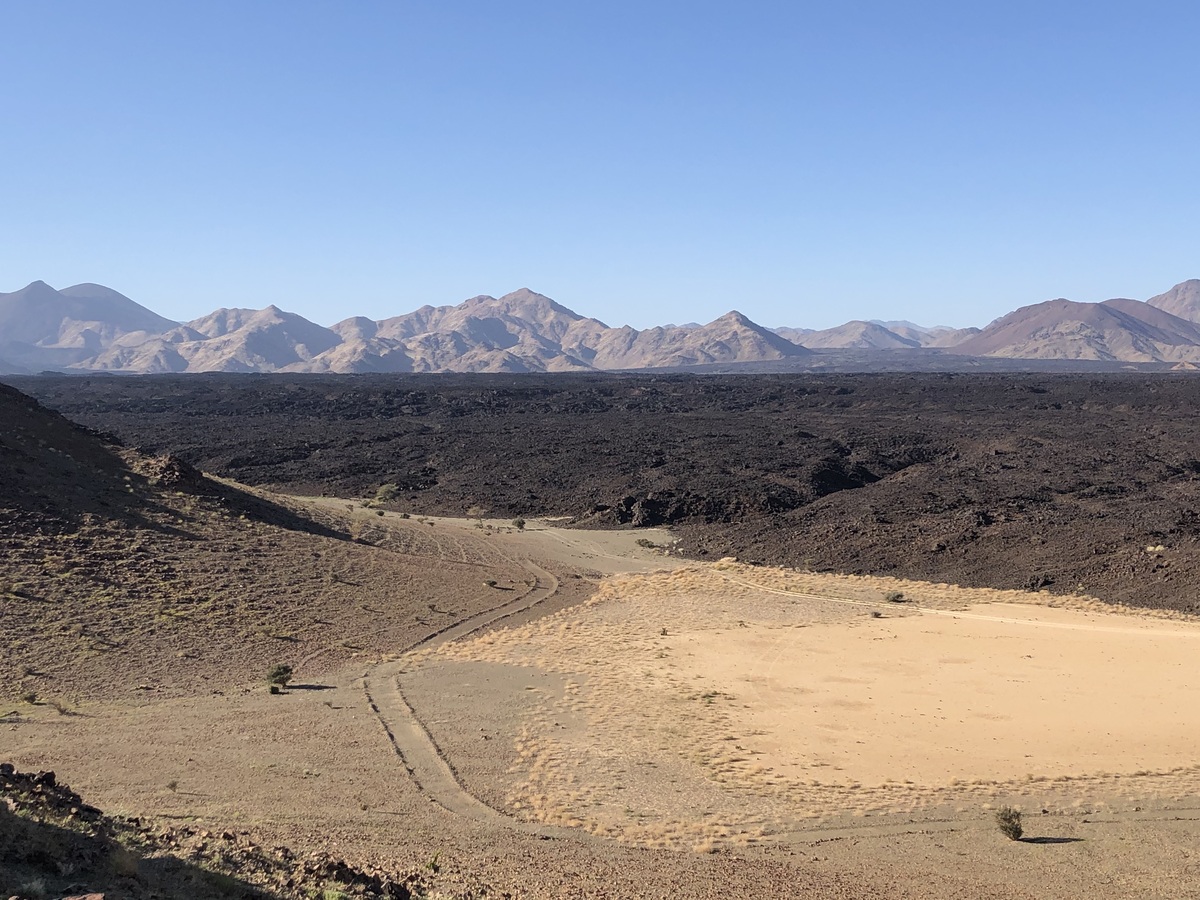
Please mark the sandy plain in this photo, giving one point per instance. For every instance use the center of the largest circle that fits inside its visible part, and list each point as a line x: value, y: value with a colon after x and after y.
x: 640, y: 725
x: 768, y: 699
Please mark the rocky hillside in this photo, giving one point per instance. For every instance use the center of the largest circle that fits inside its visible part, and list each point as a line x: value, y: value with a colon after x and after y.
x: 1125, y: 330
x: 859, y: 336
x: 127, y: 572
x: 1183, y: 300
x: 41, y: 328
x: 54, y: 844
x: 517, y: 333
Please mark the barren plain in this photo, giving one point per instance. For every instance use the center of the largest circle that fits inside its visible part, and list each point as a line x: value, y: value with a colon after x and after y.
x: 555, y: 710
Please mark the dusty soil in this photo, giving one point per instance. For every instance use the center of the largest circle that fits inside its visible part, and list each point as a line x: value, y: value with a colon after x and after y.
x: 739, y: 704
x: 607, y: 770
x: 1050, y: 482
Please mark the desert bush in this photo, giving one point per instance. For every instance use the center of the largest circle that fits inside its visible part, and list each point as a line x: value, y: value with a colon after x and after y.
x: 279, y: 675
x: 894, y: 597
x: 646, y: 542
x: 1008, y: 820
x: 519, y: 524
x: 491, y: 582
x: 876, y: 614
x: 387, y: 493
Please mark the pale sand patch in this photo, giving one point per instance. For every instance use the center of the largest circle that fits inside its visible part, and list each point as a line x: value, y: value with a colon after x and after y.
x: 999, y: 692
x: 728, y: 703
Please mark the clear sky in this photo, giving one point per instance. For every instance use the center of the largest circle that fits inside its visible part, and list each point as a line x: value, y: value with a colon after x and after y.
x: 646, y: 162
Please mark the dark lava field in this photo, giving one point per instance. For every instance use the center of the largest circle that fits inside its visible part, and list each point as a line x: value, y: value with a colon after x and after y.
x: 1065, y: 483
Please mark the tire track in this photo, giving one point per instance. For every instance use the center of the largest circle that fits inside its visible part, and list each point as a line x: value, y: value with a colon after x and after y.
x: 424, y: 761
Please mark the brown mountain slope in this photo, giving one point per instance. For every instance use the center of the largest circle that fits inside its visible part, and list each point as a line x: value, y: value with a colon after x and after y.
x: 1125, y: 330
x: 795, y: 335
x: 731, y: 337
x: 227, y: 340
x: 520, y: 332
x: 121, y: 572
x: 84, y: 316
x: 857, y: 335
x: 44, y: 328
x: 1183, y: 300
x: 92, y: 328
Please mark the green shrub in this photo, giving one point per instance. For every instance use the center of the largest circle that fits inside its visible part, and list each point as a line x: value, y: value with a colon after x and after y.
x: 519, y: 524
x: 1008, y: 820
x: 279, y: 675
x: 387, y: 493
x: 894, y: 597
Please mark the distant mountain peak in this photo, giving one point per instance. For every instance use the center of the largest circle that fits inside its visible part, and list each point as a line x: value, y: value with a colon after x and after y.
x: 91, y: 327
x: 1183, y: 300
x: 737, y: 318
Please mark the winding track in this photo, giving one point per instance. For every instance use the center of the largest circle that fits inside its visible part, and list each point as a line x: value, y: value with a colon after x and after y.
x: 420, y: 756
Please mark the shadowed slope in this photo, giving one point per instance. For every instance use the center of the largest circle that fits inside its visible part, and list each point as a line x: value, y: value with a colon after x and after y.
x: 122, y: 572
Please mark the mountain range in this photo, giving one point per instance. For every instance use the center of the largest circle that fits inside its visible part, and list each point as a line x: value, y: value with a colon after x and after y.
x: 88, y: 327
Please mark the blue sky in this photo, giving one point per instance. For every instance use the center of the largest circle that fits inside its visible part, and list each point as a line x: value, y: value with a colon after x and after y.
x: 649, y: 162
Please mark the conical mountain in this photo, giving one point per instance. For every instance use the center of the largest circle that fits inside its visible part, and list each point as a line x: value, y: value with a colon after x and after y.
x: 857, y: 335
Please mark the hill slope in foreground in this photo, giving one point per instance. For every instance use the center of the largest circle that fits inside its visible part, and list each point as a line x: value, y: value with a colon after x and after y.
x: 131, y: 573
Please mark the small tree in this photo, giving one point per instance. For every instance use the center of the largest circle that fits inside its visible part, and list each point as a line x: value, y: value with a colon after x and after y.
x: 1008, y: 820
x: 279, y: 675
x: 519, y: 524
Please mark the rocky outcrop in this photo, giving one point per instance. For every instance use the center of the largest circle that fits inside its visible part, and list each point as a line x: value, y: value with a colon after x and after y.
x: 51, y: 838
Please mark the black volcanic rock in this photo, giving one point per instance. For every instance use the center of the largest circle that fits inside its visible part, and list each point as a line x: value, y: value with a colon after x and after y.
x: 986, y: 480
